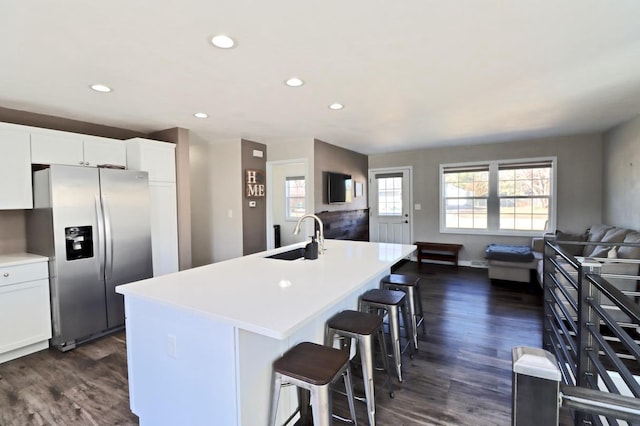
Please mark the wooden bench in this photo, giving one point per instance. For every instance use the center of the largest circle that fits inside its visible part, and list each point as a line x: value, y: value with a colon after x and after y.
x: 442, y: 252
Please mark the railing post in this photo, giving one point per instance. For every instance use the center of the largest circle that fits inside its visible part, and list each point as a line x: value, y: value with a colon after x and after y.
x: 535, y: 387
x: 587, y: 316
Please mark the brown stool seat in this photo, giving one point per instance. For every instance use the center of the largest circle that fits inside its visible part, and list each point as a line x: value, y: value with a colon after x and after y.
x: 383, y: 297
x: 312, y: 368
x: 363, y: 323
x: 311, y: 363
x: 399, y: 279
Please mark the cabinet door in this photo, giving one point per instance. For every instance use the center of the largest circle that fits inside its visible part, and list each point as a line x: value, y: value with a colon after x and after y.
x: 56, y: 149
x: 155, y: 157
x: 164, y: 227
x: 15, y: 170
x: 24, y: 313
x: 98, y: 151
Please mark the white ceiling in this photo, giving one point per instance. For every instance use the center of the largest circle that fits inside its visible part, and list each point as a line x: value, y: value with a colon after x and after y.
x: 411, y: 73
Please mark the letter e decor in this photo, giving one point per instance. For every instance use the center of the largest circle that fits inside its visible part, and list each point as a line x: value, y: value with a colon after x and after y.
x: 254, y: 183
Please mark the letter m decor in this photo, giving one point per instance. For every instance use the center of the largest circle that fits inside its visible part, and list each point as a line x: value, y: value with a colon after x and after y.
x: 255, y: 183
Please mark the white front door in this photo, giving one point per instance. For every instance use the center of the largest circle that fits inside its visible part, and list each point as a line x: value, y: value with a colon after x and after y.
x: 390, y: 205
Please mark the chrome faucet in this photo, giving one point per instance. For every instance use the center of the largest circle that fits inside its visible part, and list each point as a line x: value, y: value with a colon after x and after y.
x: 319, y: 234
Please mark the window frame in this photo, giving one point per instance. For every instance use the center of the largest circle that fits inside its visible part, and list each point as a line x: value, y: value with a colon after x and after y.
x: 493, y: 199
x: 287, y: 212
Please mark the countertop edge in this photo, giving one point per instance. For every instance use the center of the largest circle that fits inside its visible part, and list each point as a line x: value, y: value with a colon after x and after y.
x: 16, y: 259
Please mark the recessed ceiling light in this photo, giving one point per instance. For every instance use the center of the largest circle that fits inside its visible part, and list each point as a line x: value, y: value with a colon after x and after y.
x: 294, y: 82
x: 101, y: 88
x: 223, y: 41
x: 201, y: 115
x: 336, y: 106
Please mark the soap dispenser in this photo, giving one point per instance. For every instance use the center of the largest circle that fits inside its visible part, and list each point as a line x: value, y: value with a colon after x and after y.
x: 311, y: 249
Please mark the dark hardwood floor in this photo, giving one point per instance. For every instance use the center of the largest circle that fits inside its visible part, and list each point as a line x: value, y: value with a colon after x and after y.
x: 460, y: 376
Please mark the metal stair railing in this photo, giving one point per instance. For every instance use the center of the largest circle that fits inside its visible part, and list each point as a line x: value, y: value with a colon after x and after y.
x: 597, y: 355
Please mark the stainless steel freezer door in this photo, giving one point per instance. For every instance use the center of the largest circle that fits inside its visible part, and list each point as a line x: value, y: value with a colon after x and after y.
x: 77, y: 289
x: 125, y: 203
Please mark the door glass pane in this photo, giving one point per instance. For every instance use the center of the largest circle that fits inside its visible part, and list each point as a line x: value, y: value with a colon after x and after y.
x: 389, y: 196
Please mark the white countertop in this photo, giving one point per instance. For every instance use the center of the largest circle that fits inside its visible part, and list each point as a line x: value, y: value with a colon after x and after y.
x: 271, y: 297
x: 14, y: 259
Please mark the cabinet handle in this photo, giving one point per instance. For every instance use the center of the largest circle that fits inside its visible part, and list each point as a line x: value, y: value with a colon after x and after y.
x: 6, y: 274
x: 86, y: 163
x: 81, y: 163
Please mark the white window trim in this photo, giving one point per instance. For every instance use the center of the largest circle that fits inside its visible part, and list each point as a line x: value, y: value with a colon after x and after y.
x: 492, y: 221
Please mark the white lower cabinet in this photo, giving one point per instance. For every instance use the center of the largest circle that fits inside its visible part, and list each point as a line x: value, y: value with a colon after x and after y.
x: 25, y: 315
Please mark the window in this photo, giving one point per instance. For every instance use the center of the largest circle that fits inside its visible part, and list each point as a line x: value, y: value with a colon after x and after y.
x: 389, y: 194
x: 465, y: 198
x: 294, y: 197
x: 498, y: 197
x: 525, y: 194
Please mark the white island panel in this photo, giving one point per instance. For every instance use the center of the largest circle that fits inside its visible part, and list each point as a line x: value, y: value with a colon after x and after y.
x: 182, y: 368
x: 237, y: 316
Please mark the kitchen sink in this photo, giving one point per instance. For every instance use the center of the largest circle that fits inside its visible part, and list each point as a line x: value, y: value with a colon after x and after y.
x: 288, y: 255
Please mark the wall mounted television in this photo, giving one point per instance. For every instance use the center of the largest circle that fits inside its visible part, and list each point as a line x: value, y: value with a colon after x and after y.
x: 338, y: 188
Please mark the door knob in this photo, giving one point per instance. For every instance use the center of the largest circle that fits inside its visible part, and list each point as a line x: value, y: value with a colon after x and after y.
x: 406, y: 221
x: 6, y: 274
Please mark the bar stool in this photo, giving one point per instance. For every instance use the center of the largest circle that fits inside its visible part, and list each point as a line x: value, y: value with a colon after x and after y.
x: 361, y: 326
x: 313, y: 368
x: 393, y: 302
x: 411, y: 286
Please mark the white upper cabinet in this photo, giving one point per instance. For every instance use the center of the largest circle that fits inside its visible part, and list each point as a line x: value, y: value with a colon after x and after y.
x: 156, y: 158
x: 54, y: 147
x: 99, y: 151
x: 15, y: 170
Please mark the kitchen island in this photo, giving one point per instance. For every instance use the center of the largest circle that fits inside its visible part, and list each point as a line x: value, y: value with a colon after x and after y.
x: 200, y: 343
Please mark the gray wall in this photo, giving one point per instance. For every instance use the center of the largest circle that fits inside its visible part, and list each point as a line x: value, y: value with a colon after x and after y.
x: 621, y: 192
x: 579, y: 184
x: 331, y: 158
x: 13, y: 237
x: 254, y: 219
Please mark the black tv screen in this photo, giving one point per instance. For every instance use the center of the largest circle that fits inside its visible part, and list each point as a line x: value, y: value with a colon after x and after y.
x: 337, y: 184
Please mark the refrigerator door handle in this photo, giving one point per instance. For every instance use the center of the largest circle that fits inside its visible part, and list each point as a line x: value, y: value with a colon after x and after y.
x: 108, y: 242
x: 101, y: 246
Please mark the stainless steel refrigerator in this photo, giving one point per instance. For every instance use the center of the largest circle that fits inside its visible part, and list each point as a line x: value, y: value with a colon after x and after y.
x: 93, y: 223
